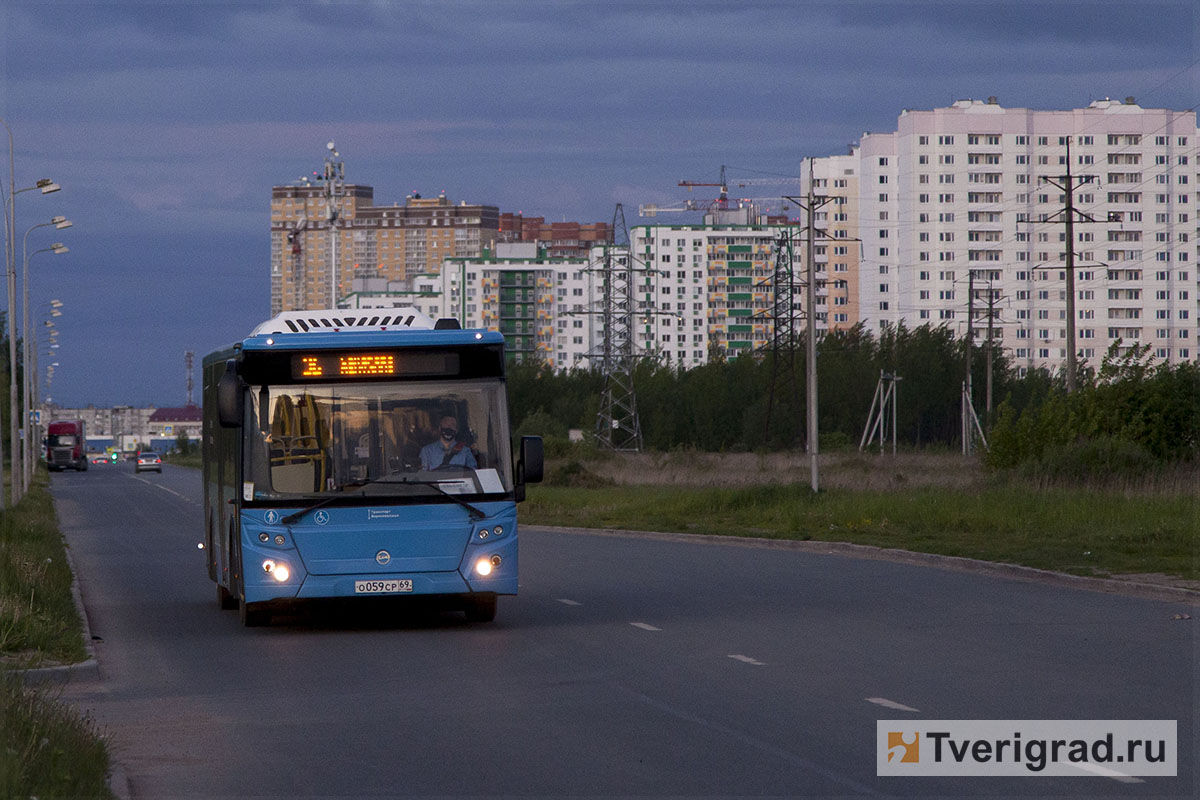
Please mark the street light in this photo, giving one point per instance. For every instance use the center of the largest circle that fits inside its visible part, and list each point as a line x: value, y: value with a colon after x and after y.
x: 45, y: 186
x: 27, y: 379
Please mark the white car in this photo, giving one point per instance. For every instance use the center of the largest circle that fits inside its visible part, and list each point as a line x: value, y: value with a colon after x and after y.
x: 147, y: 461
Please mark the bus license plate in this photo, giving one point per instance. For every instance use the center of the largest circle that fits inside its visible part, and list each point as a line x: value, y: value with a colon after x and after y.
x: 382, y: 587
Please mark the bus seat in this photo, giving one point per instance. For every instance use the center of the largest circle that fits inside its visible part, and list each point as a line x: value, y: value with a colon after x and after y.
x: 294, y: 478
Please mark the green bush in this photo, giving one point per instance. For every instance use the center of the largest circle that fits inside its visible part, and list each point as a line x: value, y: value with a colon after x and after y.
x: 1096, y: 459
x: 576, y: 475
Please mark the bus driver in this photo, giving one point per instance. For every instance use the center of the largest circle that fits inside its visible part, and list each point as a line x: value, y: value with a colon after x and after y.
x: 446, y: 450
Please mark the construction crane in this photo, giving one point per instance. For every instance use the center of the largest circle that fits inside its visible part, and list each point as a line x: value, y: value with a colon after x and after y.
x: 722, y: 201
x: 298, y: 282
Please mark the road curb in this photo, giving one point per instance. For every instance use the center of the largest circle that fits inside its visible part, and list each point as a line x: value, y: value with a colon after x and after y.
x: 1148, y: 591
x: 88, y: 669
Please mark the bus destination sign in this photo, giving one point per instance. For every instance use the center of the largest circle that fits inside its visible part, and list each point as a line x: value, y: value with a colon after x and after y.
x: 357, y: 364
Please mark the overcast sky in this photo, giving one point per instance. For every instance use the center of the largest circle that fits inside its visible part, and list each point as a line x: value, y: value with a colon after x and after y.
x: 167, y: 123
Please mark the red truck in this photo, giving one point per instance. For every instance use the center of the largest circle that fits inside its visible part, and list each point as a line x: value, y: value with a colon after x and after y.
x: 66, y: 445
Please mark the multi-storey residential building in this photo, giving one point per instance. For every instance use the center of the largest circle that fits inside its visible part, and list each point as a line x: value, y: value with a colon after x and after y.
x: 557, y: 239
x: 544, y: 306
x: 713, y: 289
x: 695, y: 291
x: 971, y: 197
x: 393, y: 242
x: 836, y: 252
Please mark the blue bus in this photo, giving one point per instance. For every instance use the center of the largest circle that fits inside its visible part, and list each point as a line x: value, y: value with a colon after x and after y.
x: 361, y: 453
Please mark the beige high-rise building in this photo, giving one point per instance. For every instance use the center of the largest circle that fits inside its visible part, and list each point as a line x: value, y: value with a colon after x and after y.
x: 396, y: 242
x: 837, y: 251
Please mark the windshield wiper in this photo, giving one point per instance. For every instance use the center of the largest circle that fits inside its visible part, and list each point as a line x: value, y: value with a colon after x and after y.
x: 297, y: 515
x: 475, y: 512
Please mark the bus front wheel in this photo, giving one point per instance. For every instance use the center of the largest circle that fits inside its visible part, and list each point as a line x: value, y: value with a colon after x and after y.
x: 225, y: 600
x: 253, y: 615
x: 481, y: 608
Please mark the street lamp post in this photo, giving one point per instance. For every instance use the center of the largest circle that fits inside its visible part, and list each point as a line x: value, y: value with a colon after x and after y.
x: 51, y: 346
x: 46, y: 186
x: 28, y: 380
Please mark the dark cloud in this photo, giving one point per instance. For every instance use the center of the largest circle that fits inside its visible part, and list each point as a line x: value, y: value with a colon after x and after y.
x: 168, y: 122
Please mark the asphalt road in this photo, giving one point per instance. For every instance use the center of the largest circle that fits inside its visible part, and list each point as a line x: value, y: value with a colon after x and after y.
x: 626, y: 666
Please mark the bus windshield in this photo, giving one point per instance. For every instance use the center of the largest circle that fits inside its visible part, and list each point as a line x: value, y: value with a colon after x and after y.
x: 403, y: 440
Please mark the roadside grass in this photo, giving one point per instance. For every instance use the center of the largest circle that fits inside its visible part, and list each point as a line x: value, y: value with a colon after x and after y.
x: 953, y: 508
x: 49, y: 750
x: 39, y: 625
x: 46, y: 748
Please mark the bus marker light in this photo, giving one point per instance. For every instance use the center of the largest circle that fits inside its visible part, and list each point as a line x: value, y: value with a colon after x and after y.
x: 268, y: 565
x: 499, y: 529
x: 262, y: 537
x: 483, y: 534
x: 495, y: 561
x: 279, y: 538
x: 483, y: 567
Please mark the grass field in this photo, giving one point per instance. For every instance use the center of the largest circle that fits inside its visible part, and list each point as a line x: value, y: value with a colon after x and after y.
x: 941, y: 504
x: 46, y: 748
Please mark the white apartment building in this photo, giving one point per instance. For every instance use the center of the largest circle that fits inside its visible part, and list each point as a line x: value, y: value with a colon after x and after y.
x: 971, y: 190
x: 696, y: 290
x: 710, y: 289
x: 545, y: 307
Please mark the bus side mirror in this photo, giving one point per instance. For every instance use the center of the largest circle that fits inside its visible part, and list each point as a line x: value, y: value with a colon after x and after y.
x: 529, y: 467
x: 230, y: 397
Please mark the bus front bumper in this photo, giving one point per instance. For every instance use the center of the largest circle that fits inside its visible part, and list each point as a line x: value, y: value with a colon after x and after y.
x: 272, y: 575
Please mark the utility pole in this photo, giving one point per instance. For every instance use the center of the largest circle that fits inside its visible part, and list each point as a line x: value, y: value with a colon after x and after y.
x: 810, y: 204
x: 1068, y: 186
x: 991, y: 320
x: 968, y: 402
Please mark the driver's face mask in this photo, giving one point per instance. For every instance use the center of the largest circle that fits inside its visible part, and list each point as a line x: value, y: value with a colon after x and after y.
x: 449, y: 433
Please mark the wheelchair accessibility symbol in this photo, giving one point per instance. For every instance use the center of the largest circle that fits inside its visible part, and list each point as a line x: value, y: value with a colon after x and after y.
x: 321, y: 517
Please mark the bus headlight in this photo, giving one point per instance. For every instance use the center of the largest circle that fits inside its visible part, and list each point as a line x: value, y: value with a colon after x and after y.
x: 484, y: 566
x: 279, y: 572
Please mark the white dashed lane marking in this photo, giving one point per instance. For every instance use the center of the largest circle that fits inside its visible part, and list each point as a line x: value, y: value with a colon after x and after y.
x: 182, y: 497
x: 747, y: 660
x: 1105, y: 772
x: 567, y: 602
x: 645, y: 626
x: 882, y: 701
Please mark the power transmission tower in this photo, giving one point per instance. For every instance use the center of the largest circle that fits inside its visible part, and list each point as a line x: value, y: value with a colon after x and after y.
x: 617, y: 424
x: 188, y: 359
x: 783, y: 338
x: 335, y: 192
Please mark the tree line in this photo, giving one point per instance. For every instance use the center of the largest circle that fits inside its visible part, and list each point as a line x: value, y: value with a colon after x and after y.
x: 758, y: 402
